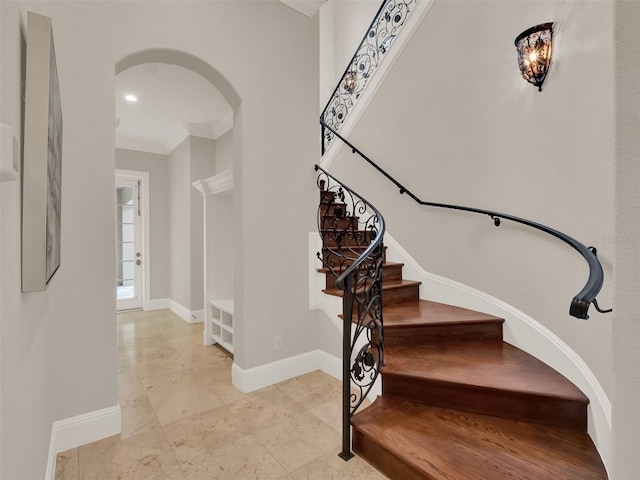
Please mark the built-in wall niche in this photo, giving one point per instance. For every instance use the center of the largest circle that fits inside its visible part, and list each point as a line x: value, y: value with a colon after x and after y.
x: 217, y: 195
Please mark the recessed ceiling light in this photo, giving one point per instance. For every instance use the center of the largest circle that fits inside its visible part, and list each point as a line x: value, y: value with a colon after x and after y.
x: 131, y: 98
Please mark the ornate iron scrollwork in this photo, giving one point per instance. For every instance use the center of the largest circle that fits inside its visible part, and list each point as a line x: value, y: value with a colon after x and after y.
x: 376, y: 43
x: 352, y: 232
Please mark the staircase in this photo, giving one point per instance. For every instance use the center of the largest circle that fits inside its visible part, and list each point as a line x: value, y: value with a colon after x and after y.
x: 458, y: 402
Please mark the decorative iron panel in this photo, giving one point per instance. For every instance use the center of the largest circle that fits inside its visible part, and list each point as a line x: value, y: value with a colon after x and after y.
x: 352, y: 232
x: 376, y: 43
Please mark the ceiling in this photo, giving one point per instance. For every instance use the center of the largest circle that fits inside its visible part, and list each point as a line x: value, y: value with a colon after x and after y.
x: 173, y: 103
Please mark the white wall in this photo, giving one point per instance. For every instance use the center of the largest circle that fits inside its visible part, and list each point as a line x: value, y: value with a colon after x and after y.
x: 158, y: 168
x: 626, y: 327
x: 343, y: 24
x: 220, y: 246
x: 455, y: 123
x: 180, y: 224
x: 223, y: 153
x: 202, y: 165
x: 176, y: 213
x: 220, y: 228
x: 59, y: 347
x: 192, y: 160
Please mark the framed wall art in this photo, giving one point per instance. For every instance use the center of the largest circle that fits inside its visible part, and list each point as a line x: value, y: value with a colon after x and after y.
x: 42, y: 160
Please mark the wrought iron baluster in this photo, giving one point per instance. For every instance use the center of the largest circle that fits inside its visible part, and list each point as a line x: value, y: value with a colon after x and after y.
x: 352, y: 232
x: 384, y: 28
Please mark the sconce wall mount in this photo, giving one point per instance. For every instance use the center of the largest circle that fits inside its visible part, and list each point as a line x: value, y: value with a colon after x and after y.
x: 534, y: 53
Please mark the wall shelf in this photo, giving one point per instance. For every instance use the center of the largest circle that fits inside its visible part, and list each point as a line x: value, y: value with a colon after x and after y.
x: 218, y: 183
x: 220, y: 318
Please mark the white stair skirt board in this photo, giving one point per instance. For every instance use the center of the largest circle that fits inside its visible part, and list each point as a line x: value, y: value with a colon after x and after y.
x: 189, y: 316
x: 255, y: 378
x: 80, y: 430
x: 520, y: 330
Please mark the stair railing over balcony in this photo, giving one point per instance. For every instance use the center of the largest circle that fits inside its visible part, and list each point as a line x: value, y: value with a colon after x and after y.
x: 386, y: 25
x: 352, y: 232
x: 579, y: 307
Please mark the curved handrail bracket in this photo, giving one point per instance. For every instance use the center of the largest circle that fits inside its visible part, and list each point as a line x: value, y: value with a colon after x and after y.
x: 579, y: 307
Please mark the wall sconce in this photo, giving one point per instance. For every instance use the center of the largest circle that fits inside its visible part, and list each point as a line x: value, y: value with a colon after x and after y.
x: 534, y: 53
x: 350, y: 81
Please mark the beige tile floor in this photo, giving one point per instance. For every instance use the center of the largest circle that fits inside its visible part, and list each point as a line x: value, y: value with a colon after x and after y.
x: 182, y: 419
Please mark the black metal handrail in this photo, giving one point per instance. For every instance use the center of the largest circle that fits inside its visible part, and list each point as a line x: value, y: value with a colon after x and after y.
x: 352, y: 232
x: 580, y: 304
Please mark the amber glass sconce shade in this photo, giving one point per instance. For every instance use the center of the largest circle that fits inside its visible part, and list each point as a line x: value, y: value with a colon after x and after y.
x: 534, y: 53
x: 350, y: 81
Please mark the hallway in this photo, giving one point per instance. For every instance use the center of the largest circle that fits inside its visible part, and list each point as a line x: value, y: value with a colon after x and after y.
x: 182, y: 419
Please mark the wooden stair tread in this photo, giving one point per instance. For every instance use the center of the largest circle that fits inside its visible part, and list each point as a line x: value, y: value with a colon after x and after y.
x: 347, y: 248
x: 489, y: 364
x: 408, y: 440
x: 392, y: 285
x: 425, y: 312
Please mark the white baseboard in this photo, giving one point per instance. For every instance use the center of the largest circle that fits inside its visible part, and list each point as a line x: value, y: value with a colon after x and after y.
x: 189, y: 316
x: 158, y: 304
x: 80, y: 430
x: 263, y: 376
x: 197, y: 316
x: 179, y: 310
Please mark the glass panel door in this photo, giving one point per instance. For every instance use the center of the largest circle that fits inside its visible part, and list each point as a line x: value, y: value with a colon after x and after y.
x: 128, y: 255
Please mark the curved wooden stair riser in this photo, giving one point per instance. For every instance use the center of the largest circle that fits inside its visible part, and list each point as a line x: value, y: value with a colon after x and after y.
x: 392, y: 292
x: 390, y: 272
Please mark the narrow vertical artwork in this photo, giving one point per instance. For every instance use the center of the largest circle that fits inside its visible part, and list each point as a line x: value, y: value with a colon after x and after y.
x: 42, y: 159
x: 54, y: 170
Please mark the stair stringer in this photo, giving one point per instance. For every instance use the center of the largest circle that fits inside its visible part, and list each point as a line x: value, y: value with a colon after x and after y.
x: 522, y: 331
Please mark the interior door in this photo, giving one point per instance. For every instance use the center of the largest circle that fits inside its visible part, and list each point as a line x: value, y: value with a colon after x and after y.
x: 128, y: 245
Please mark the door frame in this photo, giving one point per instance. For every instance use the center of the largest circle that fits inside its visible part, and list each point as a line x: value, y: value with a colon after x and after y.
x: 143, y: 178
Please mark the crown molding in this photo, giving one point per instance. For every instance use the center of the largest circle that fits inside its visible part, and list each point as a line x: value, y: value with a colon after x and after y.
x: 307, y: 7
x: 218, y: 183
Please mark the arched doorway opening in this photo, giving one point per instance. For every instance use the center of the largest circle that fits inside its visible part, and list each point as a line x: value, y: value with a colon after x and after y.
x: 178, y: 249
